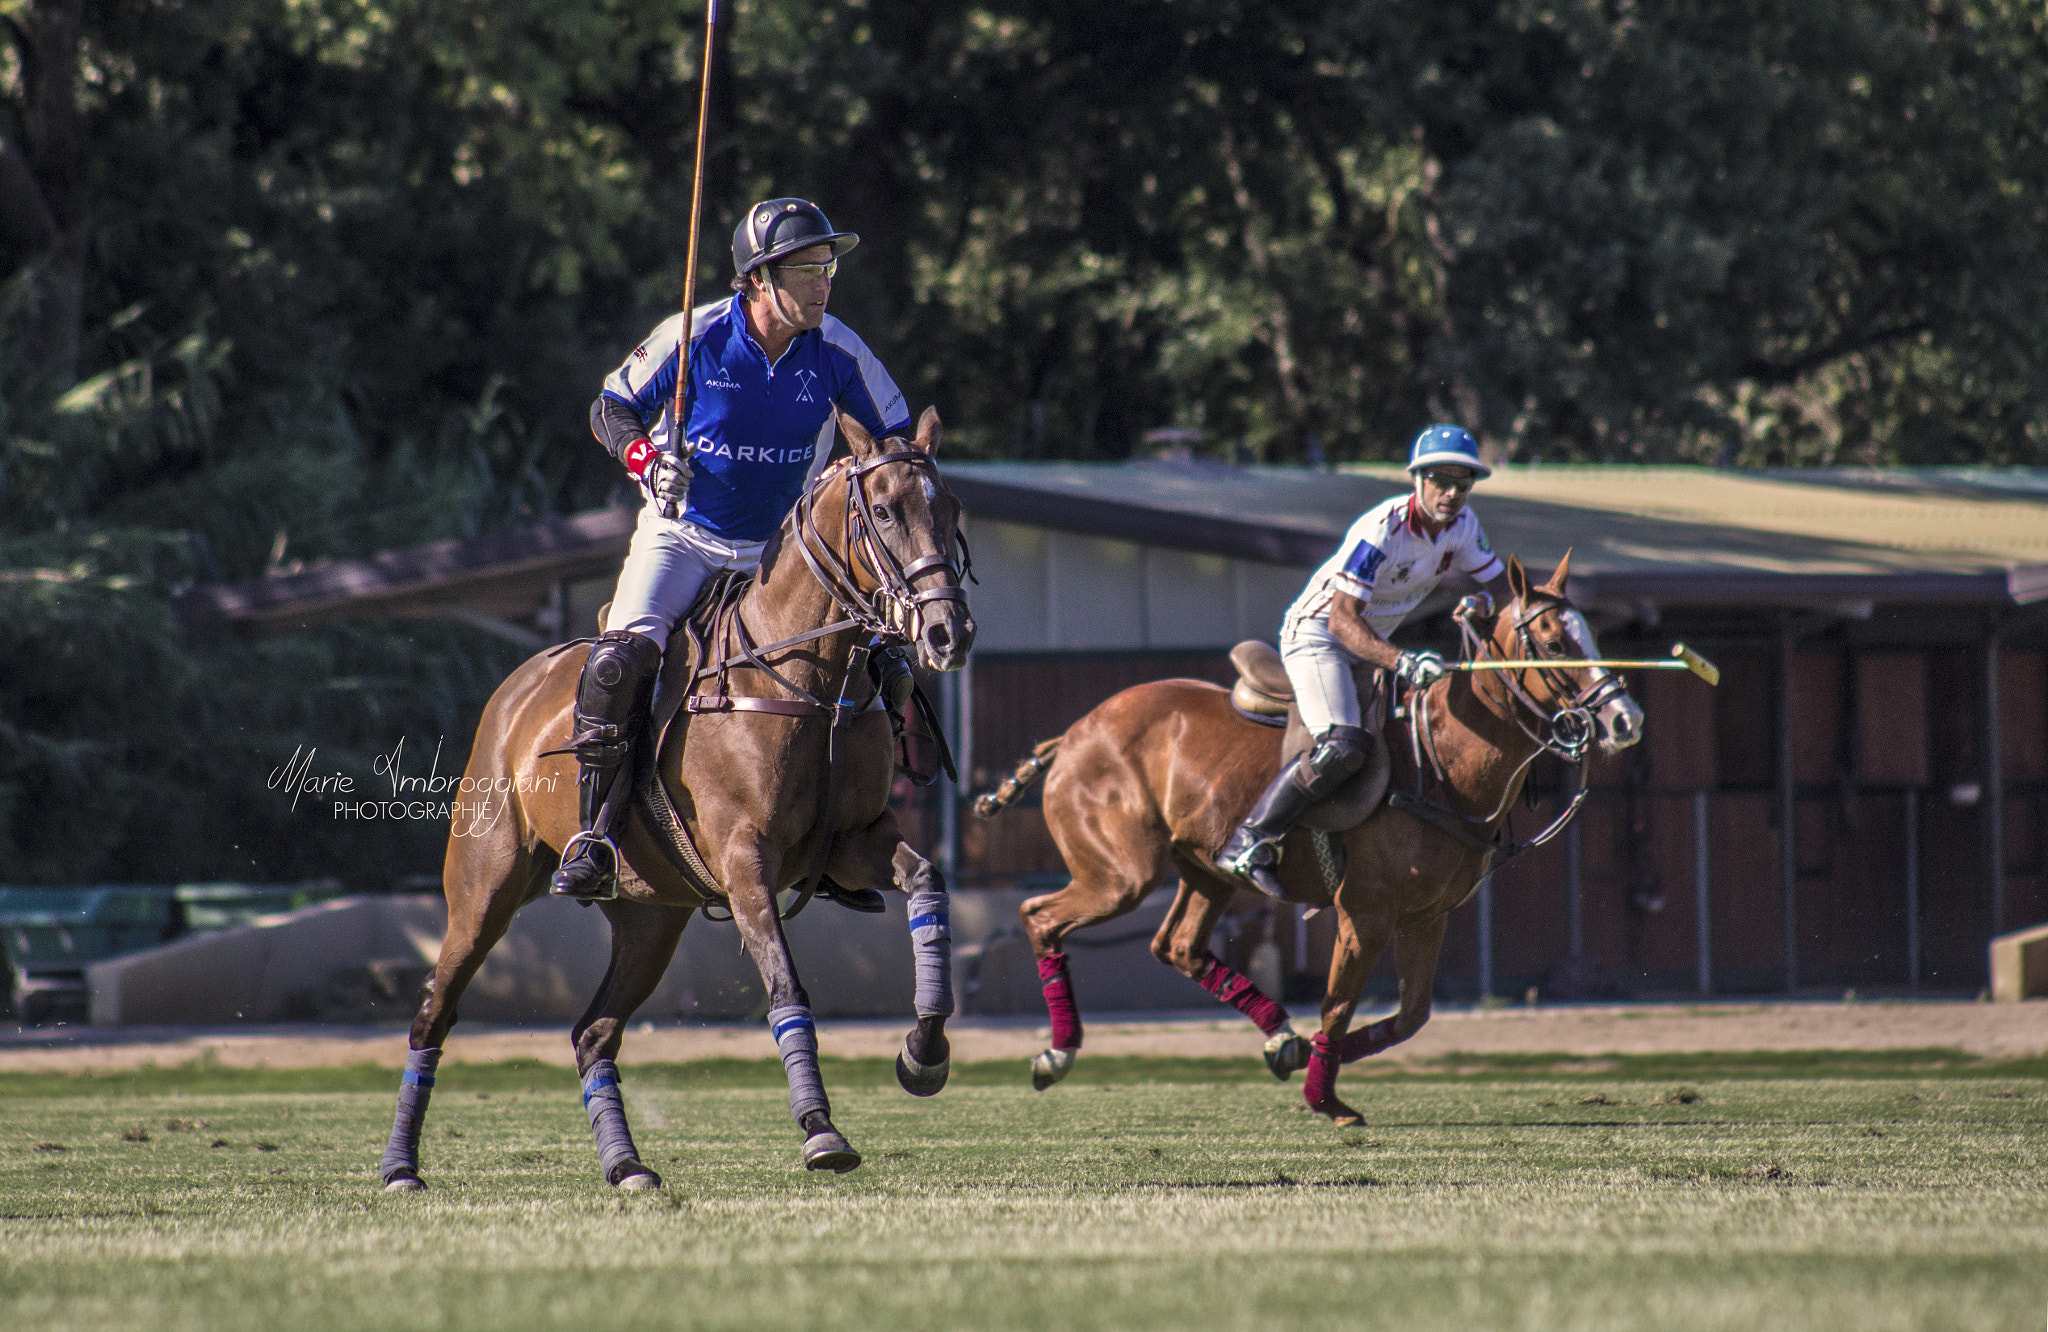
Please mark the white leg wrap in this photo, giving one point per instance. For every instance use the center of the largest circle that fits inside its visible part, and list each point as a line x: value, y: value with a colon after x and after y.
x: 797, y: 1037
x: 931, y: 941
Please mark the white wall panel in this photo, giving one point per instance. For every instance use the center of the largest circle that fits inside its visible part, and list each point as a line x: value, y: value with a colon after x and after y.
x: 1010, y: 603
x: 1048, y: 591
x: 1190, y: 599
x: 1096, y: 592
x: 1264, y: 592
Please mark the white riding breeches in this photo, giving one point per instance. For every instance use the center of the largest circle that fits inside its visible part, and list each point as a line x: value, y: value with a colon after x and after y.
x: 1320, y: 670
x: 666, y: 566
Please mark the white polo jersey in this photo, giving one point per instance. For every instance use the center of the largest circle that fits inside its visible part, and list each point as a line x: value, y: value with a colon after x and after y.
x: 1390, y: 563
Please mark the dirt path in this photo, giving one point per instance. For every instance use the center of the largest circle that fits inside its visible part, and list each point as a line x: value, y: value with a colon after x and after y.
x: 1991, y: 1030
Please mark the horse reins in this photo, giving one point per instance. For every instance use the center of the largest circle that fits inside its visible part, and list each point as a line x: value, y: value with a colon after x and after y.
x: 1567, y: 733
x: 894, y: 611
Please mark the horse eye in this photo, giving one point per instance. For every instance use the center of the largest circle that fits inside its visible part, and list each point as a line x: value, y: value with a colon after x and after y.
x: 881, y: 513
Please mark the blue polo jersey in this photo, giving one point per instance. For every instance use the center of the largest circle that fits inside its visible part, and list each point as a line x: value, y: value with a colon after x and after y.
x: 757, y: 432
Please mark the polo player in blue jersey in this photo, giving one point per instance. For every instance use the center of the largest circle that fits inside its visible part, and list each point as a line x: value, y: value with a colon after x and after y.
x: 1391, y: 559
x: 767, y: 368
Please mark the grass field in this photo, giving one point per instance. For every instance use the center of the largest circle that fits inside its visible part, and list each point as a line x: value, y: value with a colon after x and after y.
x: 1868, y: 1191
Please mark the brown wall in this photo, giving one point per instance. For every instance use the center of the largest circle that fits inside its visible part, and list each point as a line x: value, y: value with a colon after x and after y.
x: 1872, y: 729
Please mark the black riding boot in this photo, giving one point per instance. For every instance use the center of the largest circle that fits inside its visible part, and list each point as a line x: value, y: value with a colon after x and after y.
x: 1253, y: 851
x: 611, y: 703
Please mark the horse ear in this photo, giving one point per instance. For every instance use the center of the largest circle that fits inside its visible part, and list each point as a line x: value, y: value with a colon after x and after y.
x: 858, y: 439
x: 1518, y: 579
x: 927, y: 441
x: 1564, y: 572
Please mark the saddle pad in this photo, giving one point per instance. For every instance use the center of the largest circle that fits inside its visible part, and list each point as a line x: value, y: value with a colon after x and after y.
x: 1257, y: 706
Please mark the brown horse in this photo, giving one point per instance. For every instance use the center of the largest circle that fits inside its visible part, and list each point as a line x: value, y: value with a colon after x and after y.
x: 1156, y: 778
x: 867, y: 554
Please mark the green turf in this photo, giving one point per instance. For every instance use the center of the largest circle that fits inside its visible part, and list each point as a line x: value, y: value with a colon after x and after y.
x: 1519, y: 1196
x: 207, y: 1076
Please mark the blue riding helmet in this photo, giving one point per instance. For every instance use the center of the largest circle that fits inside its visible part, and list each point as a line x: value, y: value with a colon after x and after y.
x: 1446, y: 446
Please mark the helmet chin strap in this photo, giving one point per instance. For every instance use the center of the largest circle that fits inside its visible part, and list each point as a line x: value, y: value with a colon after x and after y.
x: 767, y: 272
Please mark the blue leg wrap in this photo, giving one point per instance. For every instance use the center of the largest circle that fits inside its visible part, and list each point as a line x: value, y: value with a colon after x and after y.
x: 797, y: 1037
x: 402, y: 1153
x: 931, y: 942
x: 604, y: 1101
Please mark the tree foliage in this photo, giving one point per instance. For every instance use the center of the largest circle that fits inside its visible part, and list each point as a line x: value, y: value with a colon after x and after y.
x: 290, y: 280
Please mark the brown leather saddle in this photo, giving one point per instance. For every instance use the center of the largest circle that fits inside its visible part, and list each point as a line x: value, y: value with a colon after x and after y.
x: 1264, y: 695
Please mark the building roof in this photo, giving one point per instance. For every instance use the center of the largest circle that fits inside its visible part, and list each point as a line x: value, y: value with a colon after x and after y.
x: 1675, y: 535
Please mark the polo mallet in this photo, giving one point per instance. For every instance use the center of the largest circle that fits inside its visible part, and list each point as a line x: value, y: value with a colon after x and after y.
x: 1685, y: 660
x: 677, y: 431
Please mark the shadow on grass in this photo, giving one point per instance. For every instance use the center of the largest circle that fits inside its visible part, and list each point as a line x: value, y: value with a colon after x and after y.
x: 209, y: 1077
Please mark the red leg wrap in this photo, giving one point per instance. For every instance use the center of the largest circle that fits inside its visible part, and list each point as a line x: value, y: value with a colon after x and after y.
x: 1368, y: 1040
x: 1238, y: 991
x: 1319, y: 1080
x: 1059, y: 1002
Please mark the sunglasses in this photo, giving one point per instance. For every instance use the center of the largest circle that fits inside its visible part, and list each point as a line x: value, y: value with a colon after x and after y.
x: 1457, y: 485
x: 810, y: 272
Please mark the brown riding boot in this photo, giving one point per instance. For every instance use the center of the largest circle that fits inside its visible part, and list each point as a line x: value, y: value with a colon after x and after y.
x: 611, y: 703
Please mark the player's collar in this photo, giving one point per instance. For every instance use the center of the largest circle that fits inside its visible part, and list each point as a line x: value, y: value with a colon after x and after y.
x: 1412, y: 516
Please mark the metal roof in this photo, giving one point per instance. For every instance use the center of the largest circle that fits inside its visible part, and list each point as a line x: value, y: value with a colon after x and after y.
x: 1676, y: 535
x: 1679, y: 534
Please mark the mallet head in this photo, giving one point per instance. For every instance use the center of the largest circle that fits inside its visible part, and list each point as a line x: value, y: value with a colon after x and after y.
x: 1697, y: 664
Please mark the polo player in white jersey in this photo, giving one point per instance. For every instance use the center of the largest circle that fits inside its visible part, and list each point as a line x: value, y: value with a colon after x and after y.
x: 1392, y: 558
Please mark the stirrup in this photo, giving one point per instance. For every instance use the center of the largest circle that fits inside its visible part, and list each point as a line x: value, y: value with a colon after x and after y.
x: 1249, y: 871
x: 608, y: 880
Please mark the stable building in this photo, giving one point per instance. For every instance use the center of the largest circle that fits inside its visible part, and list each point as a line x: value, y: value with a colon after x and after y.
x: 1861, y: 803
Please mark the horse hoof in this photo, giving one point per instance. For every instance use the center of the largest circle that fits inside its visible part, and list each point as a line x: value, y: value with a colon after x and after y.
x: 646, y: 1179
x: 1286, y: 1054
x: 921, y: 1079
x: 1339, y: 1114
x: 829, y: 1151
x: 404, y: 1184
x: 1049, y: 1066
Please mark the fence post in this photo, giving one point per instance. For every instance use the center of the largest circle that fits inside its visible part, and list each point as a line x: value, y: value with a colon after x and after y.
x: 1701, y: 900
x: 1913, y: 888
x: 1486, y: 937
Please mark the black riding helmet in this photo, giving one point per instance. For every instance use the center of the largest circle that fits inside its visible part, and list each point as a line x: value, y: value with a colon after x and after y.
x: 777, y: 227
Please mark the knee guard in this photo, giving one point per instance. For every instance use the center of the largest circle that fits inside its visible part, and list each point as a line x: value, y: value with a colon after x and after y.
x: 612, y: 693
x: 1337, y: 756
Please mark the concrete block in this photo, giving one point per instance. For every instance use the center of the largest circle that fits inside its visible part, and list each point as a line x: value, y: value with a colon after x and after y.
x: 360, y: 959
x: 2019, y: 965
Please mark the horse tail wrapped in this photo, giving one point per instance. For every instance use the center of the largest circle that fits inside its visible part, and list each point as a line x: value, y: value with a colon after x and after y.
x: 1028, y: 772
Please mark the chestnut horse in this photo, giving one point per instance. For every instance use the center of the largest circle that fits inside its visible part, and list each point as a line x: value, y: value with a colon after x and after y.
x: 867, y: 555
x: 1155, y: 779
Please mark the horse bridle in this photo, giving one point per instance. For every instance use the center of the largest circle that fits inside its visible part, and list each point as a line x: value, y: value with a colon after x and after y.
x: 1569, y: 730
x: 895, y: 609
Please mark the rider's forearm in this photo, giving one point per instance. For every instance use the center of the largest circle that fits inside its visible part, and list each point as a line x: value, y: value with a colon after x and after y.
x: 1348, y: 626
x: 616, y: 425
x: 624, y: 435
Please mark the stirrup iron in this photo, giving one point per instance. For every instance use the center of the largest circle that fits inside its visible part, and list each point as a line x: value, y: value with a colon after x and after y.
x: 608, y: 880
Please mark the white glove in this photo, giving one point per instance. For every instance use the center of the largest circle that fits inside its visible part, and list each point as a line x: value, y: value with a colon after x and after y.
x: 668, y: 481
x: 1420, y: 670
